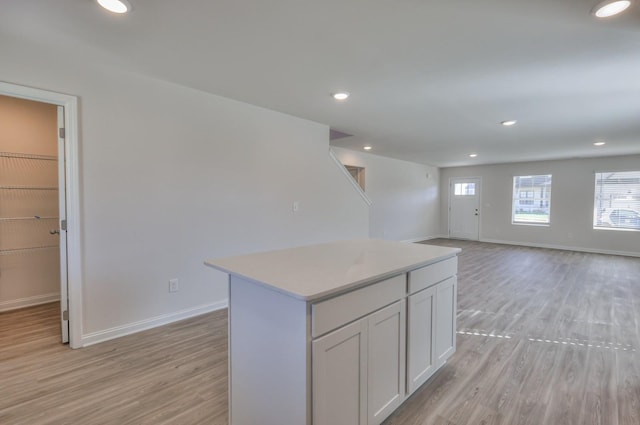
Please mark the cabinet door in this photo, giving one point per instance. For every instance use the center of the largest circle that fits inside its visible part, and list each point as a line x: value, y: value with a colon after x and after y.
x: 446, y: 300
x: 386, y: 360
x: 421, y: 361
x: 339, y: 375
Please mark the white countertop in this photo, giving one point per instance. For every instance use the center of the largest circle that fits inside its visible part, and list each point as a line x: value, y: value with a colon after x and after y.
x: 317, y: 271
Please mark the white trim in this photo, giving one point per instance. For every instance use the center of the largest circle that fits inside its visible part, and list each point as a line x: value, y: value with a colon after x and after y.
x: 425, y: 238
x: 350, y: 178
x: 564, y: 248
x: 154, y: 322
x: 74, y: 247
x: 62, y: 214
x: 28, y: 302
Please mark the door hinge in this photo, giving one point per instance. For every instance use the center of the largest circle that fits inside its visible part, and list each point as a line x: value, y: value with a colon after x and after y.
x: 63, y: 224
x: 61, y: 133
x: 65, y: 315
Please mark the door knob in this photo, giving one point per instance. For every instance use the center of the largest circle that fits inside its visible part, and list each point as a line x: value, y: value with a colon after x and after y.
x: 54, y: 232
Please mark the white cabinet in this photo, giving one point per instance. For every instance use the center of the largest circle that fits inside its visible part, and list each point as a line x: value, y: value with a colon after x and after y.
x: 421, y: 362
x: 338, y: 333
x: 359, y: 370
x: 431, y: 330
x: 386, y: 362
x: 340, y: 376
x: 445, y: 328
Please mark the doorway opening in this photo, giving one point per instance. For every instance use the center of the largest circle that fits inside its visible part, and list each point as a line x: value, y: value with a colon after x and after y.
x: 357, y: 173
x: 39, y: 247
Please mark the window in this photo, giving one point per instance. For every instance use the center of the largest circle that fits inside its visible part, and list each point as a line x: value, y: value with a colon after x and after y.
x: 464, y: 189
x: 617, y: 201
x: 531, y: 199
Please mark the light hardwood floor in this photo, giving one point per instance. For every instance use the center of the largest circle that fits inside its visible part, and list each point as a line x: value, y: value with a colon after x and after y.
x: 175, y: 374
x: 544, y: 337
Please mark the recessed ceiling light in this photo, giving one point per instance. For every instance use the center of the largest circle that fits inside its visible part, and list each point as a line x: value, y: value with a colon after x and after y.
x: 509, y: 123
x: 367, y: 148
x: 473, y: 155
x: 609, y: 8
x: 115, y: 6
x: 599, y: 143
x: 343, y: 95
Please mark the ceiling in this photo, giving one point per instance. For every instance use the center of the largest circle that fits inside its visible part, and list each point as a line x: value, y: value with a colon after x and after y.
x: 429, y: 81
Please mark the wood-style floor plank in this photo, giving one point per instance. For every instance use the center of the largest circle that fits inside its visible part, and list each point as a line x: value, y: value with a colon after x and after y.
x: 544, y: 337
x: 176, y: 374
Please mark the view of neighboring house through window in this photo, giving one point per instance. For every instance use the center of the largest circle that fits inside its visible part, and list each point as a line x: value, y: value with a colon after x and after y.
x: 617, y: 201
x: 531, y: 199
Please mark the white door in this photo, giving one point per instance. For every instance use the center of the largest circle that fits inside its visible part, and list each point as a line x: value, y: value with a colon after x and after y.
x: 386, y: 360
x: 464, y: 208
x: 62, y: 203
x: 340, y: 376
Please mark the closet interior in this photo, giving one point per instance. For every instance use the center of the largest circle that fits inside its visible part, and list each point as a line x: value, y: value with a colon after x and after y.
x: 29, y: 198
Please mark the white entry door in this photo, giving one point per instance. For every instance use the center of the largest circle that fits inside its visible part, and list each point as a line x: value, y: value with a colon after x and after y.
x: 464, y: 208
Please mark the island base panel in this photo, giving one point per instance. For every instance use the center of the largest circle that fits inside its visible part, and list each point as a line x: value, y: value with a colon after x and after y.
x: 269, y: 377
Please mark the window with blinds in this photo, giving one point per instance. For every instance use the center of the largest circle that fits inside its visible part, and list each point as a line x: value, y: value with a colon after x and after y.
x: 617, y: 201
x: 531, y: 200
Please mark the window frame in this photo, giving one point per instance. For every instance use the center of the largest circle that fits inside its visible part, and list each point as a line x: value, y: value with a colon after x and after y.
x: 526, y: 196
x: 631, y: 202
x: 466, y: 189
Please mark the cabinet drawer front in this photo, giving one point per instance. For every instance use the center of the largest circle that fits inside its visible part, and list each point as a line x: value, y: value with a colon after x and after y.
x: 432, y: 274
x: 335, y: 312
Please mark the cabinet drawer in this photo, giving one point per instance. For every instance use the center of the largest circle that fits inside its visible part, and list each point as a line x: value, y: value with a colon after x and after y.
x: 437, y: 272
x: 335, y: 312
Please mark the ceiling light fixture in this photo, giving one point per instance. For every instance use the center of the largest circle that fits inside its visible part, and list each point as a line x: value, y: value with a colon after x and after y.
x: 341, y: 95
x: 115, y: 6
x: 473, y: 155
x: 609, y: 8
x: 599, y: 143
x: 509, y: 123
x: 367, y: 148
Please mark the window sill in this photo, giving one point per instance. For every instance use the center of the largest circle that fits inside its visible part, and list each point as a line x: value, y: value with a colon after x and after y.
x: 531, y: 224
x: 617, y: 229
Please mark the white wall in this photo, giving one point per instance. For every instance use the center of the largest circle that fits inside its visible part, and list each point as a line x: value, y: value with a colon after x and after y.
x: 404, y: 201
x: 572, y: 203
x: 171, y: 177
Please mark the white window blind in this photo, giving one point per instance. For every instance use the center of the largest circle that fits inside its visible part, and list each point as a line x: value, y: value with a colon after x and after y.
x: 531, y: 199
x: 617, y: 201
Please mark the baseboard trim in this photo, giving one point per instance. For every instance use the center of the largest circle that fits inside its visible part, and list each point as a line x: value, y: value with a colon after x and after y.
x: 154, y: 322
x: 28, y: 302
x: 424, y: 238
x: 564, y: 248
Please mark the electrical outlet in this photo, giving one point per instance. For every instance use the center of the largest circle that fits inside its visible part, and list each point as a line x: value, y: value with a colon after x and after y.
x: 296, y: 206
x: 174, y: 285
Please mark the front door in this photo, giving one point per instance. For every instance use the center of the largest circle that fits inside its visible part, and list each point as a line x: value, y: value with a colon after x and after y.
x: 464, y: 208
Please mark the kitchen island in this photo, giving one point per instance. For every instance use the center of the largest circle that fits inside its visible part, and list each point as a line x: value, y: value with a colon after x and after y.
x: 338, y: 333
